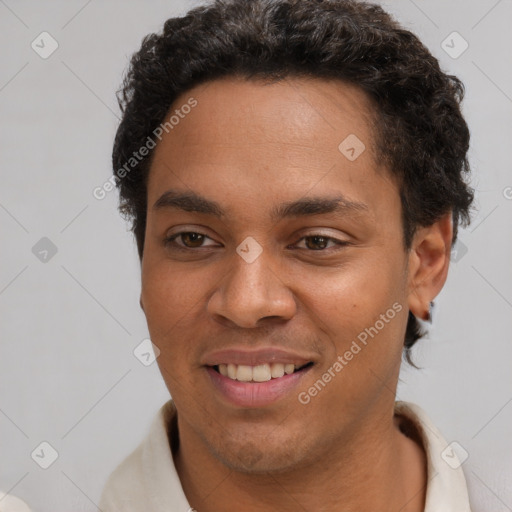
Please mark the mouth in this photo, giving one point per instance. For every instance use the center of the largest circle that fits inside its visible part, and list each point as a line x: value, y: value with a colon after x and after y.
x: 258, y: 386
x: 258, y: 373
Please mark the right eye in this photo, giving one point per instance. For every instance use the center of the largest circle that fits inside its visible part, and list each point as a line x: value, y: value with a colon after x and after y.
x: 190, y: 240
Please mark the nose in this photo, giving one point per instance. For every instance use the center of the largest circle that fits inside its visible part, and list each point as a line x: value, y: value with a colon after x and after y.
x: 251, y: 292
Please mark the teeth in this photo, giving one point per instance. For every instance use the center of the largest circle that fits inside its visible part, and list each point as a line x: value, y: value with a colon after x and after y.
x: 289, y: 368
x: 277, y: 370
x: 244, y: 373
x: 231, y: 371
x: 259, y: 373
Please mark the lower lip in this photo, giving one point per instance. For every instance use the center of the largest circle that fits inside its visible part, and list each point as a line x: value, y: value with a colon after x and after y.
x: 255, y: 394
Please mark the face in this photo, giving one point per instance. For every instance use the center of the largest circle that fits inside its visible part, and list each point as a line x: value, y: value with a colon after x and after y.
x: 274, y: 277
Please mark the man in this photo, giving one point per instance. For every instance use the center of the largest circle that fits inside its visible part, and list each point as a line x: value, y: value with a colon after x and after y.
x: 295, y: 174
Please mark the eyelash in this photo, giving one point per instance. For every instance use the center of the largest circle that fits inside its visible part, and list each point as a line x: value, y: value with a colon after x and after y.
x: 170, y: 241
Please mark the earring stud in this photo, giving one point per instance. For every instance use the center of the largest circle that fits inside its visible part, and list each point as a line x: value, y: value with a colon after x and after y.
x: 430, y: 313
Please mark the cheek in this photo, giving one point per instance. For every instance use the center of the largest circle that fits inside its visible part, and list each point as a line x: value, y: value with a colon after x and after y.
x: 169, y: 290
x: 362, y: 310
x: 359, y: 292
x: 169, y: 302
x: 366, y: 323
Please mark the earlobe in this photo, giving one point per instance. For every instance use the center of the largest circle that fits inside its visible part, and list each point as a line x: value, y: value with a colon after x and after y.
x: 429, y: 259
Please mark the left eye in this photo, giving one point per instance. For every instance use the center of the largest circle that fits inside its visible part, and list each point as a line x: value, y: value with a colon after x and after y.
x: 321, y: 242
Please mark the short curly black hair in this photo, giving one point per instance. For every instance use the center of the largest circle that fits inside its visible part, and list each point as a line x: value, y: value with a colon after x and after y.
x: 421, y: 133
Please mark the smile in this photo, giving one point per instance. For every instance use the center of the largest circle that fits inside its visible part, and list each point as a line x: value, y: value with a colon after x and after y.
x: 254, y: 393
x: 258, y: 373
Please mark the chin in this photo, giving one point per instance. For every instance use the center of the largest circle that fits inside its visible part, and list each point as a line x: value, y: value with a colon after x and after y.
x: 262, y: 455
x: 253, y: 460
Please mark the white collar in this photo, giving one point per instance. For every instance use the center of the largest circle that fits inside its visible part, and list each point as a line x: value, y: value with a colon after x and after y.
x: 147, y: 479
x: 446, y: 485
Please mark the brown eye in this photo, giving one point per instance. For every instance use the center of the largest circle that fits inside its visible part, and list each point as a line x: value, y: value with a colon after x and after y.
x: 316, y: 242
x: 192, y: 239
x: 320, y: 243
x: 189, y: 240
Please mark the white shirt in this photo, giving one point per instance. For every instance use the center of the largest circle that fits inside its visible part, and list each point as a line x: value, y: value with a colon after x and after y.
x: 147, y: 479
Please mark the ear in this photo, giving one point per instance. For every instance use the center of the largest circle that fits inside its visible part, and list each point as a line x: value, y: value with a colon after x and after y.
x: 429, y: 259
x: 140, y: 302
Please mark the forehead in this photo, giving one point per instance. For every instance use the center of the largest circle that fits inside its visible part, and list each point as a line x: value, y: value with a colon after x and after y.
x: 290, y: 111
x: 265, y: 140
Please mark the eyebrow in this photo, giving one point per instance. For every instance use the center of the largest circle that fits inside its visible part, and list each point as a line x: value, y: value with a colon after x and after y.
x: 193, y: 202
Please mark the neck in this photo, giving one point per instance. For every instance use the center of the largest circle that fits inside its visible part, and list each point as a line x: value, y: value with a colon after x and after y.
x: 374, y: 468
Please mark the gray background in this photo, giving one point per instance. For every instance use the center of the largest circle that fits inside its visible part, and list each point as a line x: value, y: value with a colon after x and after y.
x: 70, y: 324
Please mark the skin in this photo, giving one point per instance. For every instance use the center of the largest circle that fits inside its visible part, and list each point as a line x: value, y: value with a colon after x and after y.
x: 251, y: 146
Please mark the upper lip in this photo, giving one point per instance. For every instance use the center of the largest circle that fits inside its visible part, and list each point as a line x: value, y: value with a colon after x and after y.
x: 255, y: 357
